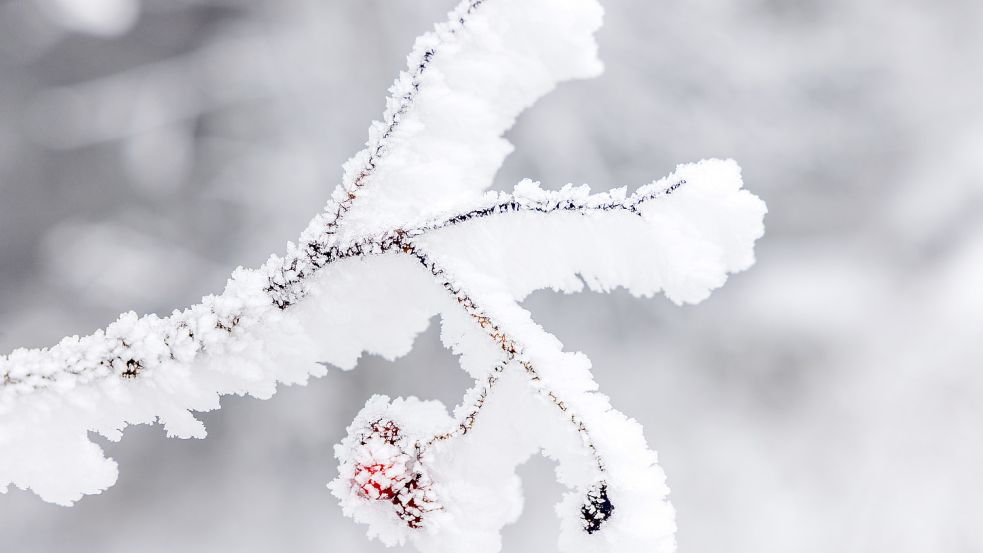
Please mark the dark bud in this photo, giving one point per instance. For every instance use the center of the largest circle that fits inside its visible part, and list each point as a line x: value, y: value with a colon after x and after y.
x: 597, y: 509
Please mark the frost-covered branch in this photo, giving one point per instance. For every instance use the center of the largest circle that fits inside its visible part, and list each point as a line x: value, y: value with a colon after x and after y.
x: 104, y: 353
x: 289, y: 273
x: 410, y: 234
x: 188, y: 333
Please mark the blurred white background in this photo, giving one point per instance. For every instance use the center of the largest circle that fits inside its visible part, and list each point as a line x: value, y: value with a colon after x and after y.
x: 830, y: 399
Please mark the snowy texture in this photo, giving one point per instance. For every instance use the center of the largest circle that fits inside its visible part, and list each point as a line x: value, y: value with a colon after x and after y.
x: 406, y: 236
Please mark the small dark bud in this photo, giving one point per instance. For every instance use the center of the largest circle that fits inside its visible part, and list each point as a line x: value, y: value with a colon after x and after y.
x: 598, y: 508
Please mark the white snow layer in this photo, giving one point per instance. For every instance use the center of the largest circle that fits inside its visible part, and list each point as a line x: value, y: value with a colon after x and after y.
x: 433, y: 156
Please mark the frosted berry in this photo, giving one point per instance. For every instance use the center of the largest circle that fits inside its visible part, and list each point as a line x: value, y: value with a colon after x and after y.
x: 387, y: 468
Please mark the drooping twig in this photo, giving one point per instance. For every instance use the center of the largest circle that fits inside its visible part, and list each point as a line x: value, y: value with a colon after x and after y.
x: 512, y: 348
x: 597, y: 507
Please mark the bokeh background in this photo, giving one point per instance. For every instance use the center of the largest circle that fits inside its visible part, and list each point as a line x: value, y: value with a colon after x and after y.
x: 830, y: 399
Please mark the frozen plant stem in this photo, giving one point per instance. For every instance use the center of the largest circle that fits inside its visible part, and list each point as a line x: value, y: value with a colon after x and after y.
x: 513, y: 355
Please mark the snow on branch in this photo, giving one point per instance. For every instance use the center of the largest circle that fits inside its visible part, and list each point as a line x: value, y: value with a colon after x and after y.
x: 410, y: 234
x: 77, y: 360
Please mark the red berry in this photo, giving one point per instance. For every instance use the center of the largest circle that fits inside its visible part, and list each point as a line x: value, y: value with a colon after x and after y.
x: 372, y: 482
x: 387, y: 471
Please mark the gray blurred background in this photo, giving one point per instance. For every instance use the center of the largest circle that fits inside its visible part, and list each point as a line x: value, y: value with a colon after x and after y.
x: 830, y: 399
